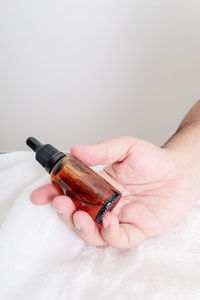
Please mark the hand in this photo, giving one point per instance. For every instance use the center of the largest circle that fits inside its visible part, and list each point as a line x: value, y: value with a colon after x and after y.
x: 158, y: 191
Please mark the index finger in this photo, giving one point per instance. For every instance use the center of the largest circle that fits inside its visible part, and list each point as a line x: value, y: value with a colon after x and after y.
x: 45, y: 194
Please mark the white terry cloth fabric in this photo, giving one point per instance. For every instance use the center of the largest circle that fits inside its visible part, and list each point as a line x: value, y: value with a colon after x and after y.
x: 41, y: 258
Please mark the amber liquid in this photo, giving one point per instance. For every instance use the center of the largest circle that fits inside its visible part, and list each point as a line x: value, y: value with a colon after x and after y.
x: 88, y: 190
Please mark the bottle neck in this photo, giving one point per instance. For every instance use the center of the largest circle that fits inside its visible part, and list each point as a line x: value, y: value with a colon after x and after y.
x: 46, y: 155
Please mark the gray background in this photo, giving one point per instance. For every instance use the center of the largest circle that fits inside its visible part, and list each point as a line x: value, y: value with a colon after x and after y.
x: 78, y: 72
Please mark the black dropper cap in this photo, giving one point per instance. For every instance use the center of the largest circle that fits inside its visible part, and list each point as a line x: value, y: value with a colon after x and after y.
x: 46, y: 154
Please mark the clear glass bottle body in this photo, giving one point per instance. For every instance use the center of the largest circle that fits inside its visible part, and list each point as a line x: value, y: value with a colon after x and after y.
x: 88, y: 190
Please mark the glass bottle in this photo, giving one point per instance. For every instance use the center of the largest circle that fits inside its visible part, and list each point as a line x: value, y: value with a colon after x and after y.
x: 89, y: 191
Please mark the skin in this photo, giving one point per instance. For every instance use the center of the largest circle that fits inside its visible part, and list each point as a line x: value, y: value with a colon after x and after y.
x: 159, y: 186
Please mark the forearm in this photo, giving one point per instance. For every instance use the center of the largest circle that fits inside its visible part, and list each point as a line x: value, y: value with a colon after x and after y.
x: 185, y: 143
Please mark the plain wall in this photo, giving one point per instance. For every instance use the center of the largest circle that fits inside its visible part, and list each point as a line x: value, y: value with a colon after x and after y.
x: 79, y: 72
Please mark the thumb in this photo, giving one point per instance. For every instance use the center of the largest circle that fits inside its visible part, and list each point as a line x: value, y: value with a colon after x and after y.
x: 104, y: 153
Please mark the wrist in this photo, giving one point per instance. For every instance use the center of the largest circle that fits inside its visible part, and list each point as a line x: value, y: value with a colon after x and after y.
x: 183, y: 147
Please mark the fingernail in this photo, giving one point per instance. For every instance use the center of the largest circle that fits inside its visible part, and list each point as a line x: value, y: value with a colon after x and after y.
x: 77, y: 226
x: 105, y: 223
x: 59, y: 212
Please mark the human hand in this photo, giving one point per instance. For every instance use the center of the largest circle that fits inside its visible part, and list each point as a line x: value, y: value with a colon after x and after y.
x: 158, y: 190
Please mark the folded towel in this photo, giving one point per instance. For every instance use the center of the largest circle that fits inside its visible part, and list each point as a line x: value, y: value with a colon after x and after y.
x: 41, y: 258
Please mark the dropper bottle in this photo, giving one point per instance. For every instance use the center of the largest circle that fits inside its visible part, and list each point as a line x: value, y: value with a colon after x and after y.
x: 89, y: 191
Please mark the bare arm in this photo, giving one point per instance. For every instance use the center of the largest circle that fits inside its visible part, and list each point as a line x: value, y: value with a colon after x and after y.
x: 185, y: 143
x: 158, y: 185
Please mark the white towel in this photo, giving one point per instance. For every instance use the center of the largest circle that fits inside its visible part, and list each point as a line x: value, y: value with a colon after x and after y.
x: 41, y: 258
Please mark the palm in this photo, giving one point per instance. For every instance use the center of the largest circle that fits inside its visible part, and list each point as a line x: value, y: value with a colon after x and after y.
x: 156, y: 191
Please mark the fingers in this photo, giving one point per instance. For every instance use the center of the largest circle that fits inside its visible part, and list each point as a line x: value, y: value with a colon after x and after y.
x: 104, y: 153
x: 44, y: 194
x: 120, y: 236
x: 137, y: 221
x: 87, y: 229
